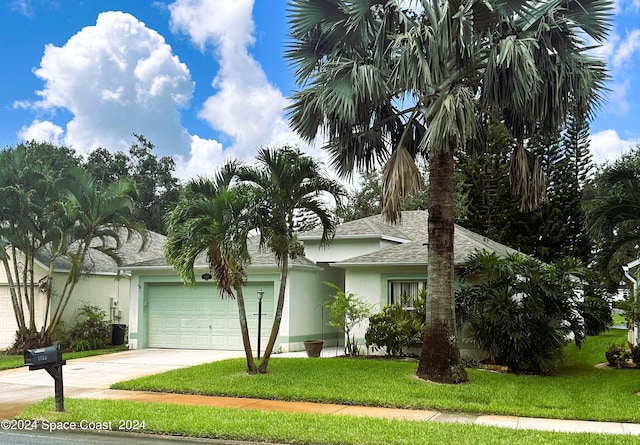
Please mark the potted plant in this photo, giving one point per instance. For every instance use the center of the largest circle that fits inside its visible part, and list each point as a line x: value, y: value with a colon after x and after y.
x: 313, y: 347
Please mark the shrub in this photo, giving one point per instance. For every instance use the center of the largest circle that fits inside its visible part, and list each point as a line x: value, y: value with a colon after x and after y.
x: 635, y: 355
x: 345, y: 311
x: 90, y: 330
x: 518, y: 310
x: 617, y: 354
x: 396, y: 328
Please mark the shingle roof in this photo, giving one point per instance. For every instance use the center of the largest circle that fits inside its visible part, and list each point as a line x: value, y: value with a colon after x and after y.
x: 99, y: 263
x: 414, y: 252
x: 259, y: 258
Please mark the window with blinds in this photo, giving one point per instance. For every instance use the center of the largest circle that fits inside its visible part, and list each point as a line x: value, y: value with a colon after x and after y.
x: 405, y: 292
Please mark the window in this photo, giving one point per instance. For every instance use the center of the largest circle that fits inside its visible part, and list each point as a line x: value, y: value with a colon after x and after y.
x: 405, y: 292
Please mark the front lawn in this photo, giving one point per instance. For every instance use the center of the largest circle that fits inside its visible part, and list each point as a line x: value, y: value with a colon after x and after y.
x: 283, y: 427
x: 17, y: 361
x: 577, y: 390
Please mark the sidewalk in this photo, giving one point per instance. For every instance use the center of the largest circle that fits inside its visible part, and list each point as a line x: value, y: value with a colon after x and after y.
x: 523, y: 423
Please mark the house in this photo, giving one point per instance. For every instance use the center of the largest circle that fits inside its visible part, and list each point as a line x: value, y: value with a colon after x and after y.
x: 102, y: 285
x: 377, y: 261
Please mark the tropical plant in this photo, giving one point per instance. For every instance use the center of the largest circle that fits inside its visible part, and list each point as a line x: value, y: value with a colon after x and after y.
x: 397, y: 329
x: 346, y: 310
x: 90, y: 217
x: 282, y: 182
x: 90, y: 329
x: 63, y: 212
x: 613, y: 214
x: 213, y: 218
x: 617, y: 354
x: 520, y: 311
x: 389, y: 82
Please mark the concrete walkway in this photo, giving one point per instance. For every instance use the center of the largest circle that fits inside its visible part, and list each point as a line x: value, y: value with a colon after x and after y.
x: 91, y: 378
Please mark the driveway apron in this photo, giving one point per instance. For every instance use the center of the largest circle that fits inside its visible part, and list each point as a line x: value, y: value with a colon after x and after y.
x: 21, y: 387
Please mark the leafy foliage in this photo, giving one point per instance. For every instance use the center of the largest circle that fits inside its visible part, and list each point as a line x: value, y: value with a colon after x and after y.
x: 396, y: 328
x: 519, y: 310
x: 617, y: 354
x: 90, y: 330
x: 346, y: 310
x: 157, y: 189
x: 613, y: 219
x: 388, y: 83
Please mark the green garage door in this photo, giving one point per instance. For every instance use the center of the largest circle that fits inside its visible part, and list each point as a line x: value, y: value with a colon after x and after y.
x: 197, y: 318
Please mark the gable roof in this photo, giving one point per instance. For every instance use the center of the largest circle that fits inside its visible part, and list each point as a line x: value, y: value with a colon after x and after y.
x: 412, y: 247
x: 98, y: 263
x: 259, y: 258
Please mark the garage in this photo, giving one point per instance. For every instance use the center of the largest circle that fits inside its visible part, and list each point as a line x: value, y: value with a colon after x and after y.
x: 8, y: 325
x: 198, y: 318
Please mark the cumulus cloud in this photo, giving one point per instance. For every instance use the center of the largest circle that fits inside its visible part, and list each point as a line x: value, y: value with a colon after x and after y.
x: 41, y: 131
x: 628, y: 48
x: 116, y: 78
x: 243, y: 105
x: 607, y: 145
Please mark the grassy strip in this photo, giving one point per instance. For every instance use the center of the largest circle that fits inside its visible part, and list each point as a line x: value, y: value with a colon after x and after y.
x: 234, y: 424
x: 17, y: 361
x: 578, y: 390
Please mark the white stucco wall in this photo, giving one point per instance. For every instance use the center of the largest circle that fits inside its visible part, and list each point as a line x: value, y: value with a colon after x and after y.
x: 341, y: 249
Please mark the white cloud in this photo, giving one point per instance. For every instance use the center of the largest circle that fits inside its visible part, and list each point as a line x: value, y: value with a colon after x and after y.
x: 608, y: 146
x: 116, y: 78
x: 41, y: 131
x: 627, y: 49
x: 244, y: 104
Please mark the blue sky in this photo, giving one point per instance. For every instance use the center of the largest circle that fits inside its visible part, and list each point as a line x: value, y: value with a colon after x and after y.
x: 202, y: 79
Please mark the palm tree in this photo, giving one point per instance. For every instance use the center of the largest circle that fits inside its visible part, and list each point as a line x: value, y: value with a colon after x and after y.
x: 283, y: 182
x: 388, y: 82
x: 214, y: 218
x: 89, y: 217
x: 613, y: 214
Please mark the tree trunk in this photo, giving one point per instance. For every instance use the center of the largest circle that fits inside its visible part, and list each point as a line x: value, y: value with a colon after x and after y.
x: 244, y: 328
x: 277, y: 317
x: 440, y: 357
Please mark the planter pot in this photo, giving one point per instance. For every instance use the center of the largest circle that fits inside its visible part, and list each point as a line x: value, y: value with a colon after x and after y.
x: 313, y: 347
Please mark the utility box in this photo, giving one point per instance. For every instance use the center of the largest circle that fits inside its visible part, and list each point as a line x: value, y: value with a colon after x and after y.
x: 43, y: 357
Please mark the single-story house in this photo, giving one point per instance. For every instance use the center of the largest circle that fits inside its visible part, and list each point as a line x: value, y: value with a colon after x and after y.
x: 102, y: 285
x: 375, y: 260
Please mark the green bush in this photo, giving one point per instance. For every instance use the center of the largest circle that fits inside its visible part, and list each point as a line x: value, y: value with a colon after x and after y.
x: 635, y: 355
x: 396, y: 328
x: 345, y: 311
x: 91, y: 329
x: 617, y: 354
x: 520, y: 311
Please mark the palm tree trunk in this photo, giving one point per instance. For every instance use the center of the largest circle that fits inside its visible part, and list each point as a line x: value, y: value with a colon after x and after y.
x: 244, y: 328
x: 277, y: 317
x: 440, y: 357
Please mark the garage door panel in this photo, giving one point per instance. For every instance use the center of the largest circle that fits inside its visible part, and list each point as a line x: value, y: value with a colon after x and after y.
x: 198, y: 318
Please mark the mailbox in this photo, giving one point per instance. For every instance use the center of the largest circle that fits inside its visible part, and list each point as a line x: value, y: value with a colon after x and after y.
x: 42, y: 358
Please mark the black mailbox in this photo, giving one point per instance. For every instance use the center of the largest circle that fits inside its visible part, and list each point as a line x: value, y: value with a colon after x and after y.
x: 43, y: 357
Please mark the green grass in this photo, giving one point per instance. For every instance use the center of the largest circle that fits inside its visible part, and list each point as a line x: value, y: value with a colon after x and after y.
x: 577, y: 390
x: 17, y: 361
x: 270, y: 426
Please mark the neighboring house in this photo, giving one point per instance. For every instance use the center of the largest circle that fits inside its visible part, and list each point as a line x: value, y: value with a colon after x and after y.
x: 377, y: 261
x: 103, y: 285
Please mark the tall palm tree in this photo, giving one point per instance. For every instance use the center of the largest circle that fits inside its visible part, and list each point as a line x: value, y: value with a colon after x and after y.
x: 90, y: 217
x: 214, y: 218
x: 283, y: 181
x: 389, y: 81
x: 613, y: 215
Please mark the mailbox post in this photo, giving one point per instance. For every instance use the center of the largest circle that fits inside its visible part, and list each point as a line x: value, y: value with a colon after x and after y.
x: 49, y: 359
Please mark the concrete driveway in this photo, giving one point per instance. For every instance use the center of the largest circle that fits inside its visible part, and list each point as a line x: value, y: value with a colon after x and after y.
x: 21, y: 387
